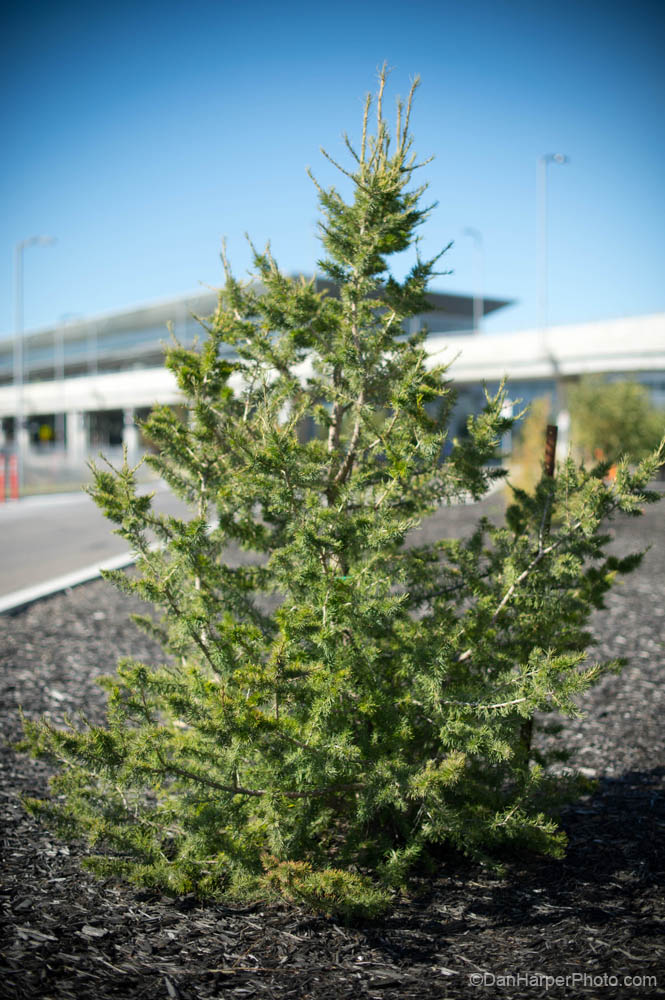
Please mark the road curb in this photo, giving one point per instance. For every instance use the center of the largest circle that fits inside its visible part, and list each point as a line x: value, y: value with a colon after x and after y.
x: 28, y: 595
x: 10, y: 603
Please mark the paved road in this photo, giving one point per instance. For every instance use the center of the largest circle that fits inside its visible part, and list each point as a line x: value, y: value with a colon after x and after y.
x: 46, y: 537
x: 42, y: 538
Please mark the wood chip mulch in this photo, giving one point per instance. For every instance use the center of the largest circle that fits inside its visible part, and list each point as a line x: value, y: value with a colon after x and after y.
x: 594, y: 919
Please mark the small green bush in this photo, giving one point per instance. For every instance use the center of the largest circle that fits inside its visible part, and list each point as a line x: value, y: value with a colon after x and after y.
x: 335, y: 703
x: 611, y: 419
x: 525, y: 465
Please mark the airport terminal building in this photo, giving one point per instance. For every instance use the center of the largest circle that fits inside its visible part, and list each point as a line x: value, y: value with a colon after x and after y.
x: 85, y: 383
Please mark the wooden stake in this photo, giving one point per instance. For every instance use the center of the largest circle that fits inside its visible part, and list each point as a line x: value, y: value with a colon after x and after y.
x: 550, y: 449
x: 526, y: 728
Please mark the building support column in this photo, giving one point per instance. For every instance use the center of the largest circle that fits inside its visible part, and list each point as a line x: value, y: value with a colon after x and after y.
x: 77, y: 438
x: 507, y: 436
x: 130, y: 435
x: 59, y: 430
x: 23, y: 434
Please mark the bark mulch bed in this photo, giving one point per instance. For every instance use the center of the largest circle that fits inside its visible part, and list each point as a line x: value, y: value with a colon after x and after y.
x: 596, y: 917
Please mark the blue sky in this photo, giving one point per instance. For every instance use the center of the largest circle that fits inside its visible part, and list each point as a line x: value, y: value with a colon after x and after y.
x: 139, y: 134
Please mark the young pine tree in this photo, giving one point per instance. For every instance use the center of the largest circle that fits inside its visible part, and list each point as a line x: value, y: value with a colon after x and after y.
x: 333, y: 703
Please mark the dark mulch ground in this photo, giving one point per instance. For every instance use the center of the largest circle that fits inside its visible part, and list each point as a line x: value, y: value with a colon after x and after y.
x: 596, y: 917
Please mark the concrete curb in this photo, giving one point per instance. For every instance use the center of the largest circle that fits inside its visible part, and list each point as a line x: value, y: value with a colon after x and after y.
x: 29, y: 595
x: 22, y: 598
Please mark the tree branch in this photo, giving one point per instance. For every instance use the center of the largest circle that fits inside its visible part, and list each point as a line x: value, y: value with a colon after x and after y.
x: 345, y: 468
x: 540, y: 555
x: 182, y: 772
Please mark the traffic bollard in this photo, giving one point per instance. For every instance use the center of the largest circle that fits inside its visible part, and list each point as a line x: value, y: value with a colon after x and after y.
x: 13, y: 477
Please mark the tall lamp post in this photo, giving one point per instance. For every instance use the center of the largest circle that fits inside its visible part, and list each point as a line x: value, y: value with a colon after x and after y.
x: 19, y: 361
x: 560, y: 415
x: 543, y: 163
x: 479, y: 277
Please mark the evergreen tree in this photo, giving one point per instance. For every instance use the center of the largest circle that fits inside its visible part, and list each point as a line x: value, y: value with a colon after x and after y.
x: 335, y: 702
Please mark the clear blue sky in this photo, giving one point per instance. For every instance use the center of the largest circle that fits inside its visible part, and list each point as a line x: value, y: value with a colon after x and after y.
x: 139, y: 134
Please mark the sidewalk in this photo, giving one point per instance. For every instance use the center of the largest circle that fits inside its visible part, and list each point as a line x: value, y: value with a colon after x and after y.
x: 50, y: 542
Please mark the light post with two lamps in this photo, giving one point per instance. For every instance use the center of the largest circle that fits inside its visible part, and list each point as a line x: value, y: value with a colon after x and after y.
x: 19, y: 359
x: 559, y: 415
x: 479, y: 276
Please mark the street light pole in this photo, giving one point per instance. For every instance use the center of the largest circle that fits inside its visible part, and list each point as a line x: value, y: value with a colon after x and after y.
x: 559, y: 415
x: 19, y: 359
x: 543, y: 163
x: 479, y: 278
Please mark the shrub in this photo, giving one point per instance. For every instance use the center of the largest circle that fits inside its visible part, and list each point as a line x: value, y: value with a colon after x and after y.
x: 612, y: 419
x: 526, y: 459
x: 608, y: 419
x: 333, y: 703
